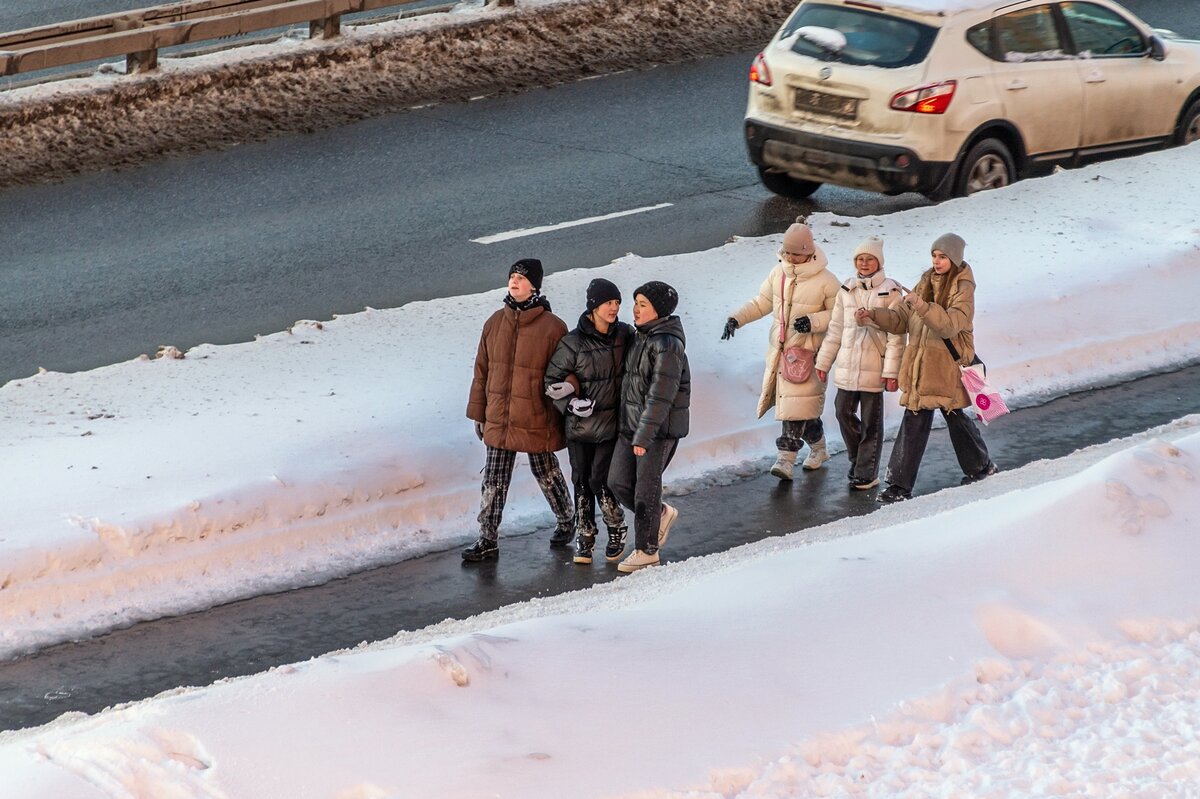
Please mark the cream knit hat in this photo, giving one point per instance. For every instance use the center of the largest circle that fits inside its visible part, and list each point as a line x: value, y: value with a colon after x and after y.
x: 872, y: 245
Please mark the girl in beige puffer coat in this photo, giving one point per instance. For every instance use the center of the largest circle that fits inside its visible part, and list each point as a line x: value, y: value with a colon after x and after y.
x: 799, y: 294
x: 867, y: 362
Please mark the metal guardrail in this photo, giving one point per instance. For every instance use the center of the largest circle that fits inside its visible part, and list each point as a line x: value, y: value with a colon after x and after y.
x: 139, y: 35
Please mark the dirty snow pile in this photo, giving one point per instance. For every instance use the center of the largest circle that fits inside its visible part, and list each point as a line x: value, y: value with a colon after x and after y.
x: 219, y: 100
x: 1034, y: 635
x: 155, y: 487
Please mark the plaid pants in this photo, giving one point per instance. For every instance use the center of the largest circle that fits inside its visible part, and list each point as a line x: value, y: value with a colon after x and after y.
x: 497, y: 474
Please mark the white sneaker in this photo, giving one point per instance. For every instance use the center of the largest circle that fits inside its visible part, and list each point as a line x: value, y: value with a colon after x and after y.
x: 637, y: 560
x: 668, y: 517
x: 817, y: 457
x: 785, y: 464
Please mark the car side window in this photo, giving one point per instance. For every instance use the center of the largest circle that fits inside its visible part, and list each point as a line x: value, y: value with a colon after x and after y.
x: 1100, y: 32
x: 1029, y: 35
x: 980, y: 37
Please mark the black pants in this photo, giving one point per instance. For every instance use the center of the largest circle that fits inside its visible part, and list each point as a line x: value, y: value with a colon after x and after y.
x: 909, y: 448
x: 589, y: 477
x: 800, y: 432
x: 637, y: 484
x: 863, y: 437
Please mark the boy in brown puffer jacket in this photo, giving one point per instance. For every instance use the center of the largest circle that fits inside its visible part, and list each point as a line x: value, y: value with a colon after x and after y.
x: 510, y: 411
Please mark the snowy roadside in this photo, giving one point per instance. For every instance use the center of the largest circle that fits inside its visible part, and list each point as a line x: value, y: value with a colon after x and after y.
x: 111, y: 121
x: 151, y: 488
x: 1035, y: 634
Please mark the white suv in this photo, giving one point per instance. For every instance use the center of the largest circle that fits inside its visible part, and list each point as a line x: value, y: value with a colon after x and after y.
x: 949, y: 97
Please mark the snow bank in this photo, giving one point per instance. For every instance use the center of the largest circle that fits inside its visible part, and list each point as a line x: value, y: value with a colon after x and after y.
x: 251, y: 93
x: 1036, y: 634
x: 156, y: 487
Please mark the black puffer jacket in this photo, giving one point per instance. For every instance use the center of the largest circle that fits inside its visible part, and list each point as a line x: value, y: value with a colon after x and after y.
x: 657, y: 388
x: 598, y: 361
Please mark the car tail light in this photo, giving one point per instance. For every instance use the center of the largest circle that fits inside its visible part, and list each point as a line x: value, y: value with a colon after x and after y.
x: 933, y: 98
x: 759, y: 72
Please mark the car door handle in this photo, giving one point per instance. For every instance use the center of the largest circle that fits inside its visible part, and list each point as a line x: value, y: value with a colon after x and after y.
x: 1095, y: 77
x: 1015, y: 84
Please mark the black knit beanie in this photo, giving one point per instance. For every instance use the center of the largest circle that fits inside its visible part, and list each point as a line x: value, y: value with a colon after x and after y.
x: 663, y: 297
x: 600, y: 291
x: 531, y: 268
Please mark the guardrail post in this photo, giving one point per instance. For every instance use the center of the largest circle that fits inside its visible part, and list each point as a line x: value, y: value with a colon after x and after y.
x: 143, y: 60
x: 326, y: 27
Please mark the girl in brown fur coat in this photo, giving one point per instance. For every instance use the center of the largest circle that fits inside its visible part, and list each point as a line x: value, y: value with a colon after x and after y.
x: 939, y: 316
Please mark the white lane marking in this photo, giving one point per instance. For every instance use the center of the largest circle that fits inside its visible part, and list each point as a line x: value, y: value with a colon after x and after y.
x: 533, y: 231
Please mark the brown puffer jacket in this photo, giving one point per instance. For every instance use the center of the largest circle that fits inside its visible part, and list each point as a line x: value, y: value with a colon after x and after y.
x: 929, y: 375
x: 507, y: 394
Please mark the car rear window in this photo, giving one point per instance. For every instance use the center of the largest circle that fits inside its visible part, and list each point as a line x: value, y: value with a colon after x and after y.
x: 872, y: 39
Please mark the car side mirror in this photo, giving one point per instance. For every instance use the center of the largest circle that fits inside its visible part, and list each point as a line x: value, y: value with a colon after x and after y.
x: 1158, y: 48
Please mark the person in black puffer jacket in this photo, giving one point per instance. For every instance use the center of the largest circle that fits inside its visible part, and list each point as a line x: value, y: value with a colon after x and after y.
x: 584, y: 380
x: 655, y: 395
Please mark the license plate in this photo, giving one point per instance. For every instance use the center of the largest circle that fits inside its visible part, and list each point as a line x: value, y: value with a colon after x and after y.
x: 827, y: 104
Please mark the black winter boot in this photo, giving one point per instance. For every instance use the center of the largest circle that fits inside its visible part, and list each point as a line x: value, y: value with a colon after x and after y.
x: 563, y: 535
x: 584, y: 545
x: 616, y: 543
x: 986, y: 471
x: 483, y: 549
x: 893, y: 493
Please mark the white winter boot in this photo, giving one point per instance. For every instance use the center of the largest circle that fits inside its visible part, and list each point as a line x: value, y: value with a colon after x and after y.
x: 817, y: 457
x: 785, y: 464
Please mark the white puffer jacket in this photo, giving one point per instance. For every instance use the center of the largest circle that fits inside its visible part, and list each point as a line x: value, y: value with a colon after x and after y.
x: 864, y: 355
x: 807, y: 289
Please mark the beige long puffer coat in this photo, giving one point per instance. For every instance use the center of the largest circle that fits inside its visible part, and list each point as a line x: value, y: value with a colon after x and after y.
x: 808, y: 289
x: 864, y: 355
x: 929, y: 376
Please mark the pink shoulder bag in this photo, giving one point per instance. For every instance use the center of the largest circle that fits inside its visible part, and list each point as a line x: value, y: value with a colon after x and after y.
x: 795, y: 363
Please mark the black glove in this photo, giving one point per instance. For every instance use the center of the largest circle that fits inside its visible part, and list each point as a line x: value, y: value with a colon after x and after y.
x: 479, y: 430
x: 731, y: 325
x: 802, y: 324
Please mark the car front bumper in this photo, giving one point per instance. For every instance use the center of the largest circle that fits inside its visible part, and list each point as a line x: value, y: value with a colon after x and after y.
x: 842, y: 162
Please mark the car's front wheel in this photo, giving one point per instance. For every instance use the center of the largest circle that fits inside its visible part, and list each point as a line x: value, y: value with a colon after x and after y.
x: 786, y: 186
x: 987, y: 165
x: 1189, y: 125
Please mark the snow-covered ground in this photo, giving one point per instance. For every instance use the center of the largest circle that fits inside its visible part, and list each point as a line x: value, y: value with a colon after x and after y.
x: 160, y: 486
x: 1035, y: 634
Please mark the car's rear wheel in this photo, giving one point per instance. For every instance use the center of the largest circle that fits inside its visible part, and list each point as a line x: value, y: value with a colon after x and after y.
x: 1189, y: 125
x: 786, y: 186
x: 987, y: 165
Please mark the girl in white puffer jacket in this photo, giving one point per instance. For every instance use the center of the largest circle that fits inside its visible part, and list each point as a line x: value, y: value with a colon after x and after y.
x: 867, y: 359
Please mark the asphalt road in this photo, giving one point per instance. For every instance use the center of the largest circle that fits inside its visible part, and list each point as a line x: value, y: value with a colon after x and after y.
x: 218, y: 247
x: 253, y: 635
x: 221, y: 246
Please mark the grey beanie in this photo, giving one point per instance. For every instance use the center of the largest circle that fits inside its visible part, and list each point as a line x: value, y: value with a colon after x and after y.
x: 951, y: 244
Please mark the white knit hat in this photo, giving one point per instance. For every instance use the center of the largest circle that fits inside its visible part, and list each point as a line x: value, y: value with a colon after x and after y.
x: 872, y: 245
